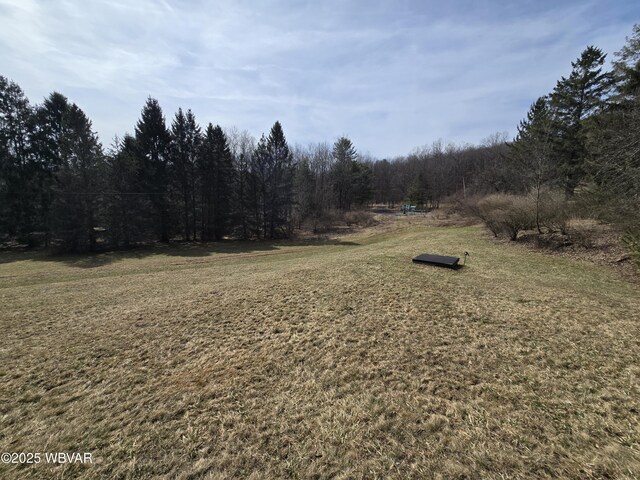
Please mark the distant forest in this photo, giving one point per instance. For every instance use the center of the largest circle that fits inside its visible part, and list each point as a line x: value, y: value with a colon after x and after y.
x: 59, y: 187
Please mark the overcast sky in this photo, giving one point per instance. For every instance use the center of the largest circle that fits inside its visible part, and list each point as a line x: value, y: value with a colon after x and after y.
x: 391, y: 75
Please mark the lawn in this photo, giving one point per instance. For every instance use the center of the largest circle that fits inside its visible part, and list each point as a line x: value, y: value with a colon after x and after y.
x: 321, y: 359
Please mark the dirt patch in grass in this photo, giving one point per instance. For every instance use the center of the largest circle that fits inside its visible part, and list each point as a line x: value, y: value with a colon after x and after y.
x: 340, y: 359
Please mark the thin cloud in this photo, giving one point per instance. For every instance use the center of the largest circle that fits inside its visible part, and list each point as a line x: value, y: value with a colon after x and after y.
x: 392, y: 75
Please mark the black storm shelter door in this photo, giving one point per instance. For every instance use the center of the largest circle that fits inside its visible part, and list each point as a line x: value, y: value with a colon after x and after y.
x: 437, y: 260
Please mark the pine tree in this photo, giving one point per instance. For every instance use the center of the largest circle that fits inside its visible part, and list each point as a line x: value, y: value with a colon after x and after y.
x: 194, y: 140
x: 344, y: 154
x: 574, y: 100
x: 217, y: 178
x: 417, y: 191
x: 280, y: 183
x: 626, y: 67
x: 152, y: 140
x: 186, y: 137
x: 78, y: 183
x: 362, y: 183
x: 531, y: 153
x: 126, y: 202
x: 46, y: 147
x: 18, y: 171
x: 615, y: 147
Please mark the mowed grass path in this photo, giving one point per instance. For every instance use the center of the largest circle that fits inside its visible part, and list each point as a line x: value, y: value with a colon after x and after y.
x: 336, y: 360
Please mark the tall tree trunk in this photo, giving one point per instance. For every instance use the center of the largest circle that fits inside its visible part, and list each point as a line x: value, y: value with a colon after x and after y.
x: 186, y: 215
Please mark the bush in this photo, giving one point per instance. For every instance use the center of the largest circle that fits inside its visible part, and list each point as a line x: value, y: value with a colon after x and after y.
x: 359, y: 218
x: 470, y: 206
x: 506, y: 214
x: 584, y: 232
x: 323, y: 222
x: 330, y: 219
x: 554, y: 211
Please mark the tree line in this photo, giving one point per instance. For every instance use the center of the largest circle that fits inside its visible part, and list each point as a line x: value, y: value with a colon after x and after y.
x: 59, y: 186
x: 576, y: 153
x: 583, y: 140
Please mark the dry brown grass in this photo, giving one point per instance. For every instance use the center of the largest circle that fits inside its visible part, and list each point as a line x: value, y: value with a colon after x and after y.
x: 321, y: 360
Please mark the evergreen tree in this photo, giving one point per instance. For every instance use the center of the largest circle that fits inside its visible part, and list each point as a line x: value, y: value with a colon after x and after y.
x: 184, y: 147
x: 362, y: 183
x: 626, y: 67
x: 531, y: 153
x: 46, y: 147
x: 152, y: 140
x: 574, y: 100
x: 18, y: 171
x: 217, y: 178
x: 280, y: 183
x: 77, y: 201
x: 345, y: 155
x: 126, y: 202
x: 615, y: 150
x: 259, y: 187
x: 50, y: 130
x: 417, y: 191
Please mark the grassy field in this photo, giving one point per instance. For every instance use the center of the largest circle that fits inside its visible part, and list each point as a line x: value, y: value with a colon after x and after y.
x: 337, y: 359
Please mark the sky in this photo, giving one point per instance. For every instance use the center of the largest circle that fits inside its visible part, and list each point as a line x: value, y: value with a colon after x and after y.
x: 391, y: 75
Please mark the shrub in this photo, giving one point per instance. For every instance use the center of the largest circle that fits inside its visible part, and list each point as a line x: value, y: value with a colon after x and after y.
x: 506, y: 214
x: 359, y: 218
x: 470, y: 206
x: 323, y: 222
x: 554, y: 211
x: 330, y: 219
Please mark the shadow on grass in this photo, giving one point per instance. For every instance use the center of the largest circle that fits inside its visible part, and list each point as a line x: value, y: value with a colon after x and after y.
x: 173, y: 249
